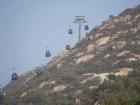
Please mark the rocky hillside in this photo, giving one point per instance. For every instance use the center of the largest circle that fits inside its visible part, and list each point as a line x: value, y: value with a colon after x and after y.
x: 98, y: 68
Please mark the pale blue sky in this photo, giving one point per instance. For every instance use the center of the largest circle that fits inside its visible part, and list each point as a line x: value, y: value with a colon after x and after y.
x: 27, y: 27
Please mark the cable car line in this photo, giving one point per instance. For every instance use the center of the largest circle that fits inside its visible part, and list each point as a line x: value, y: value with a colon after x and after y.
x: 29, y: 36
x: 32, y: 57
x: 16, y: 40
x: 27, y: 60
x: 14, y: 75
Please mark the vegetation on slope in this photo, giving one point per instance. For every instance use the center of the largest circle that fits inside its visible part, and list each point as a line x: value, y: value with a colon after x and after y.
x: 95, y: 71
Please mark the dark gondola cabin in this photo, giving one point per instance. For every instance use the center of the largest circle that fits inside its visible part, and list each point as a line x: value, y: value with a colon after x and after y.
x: 48, y: 53
x: 86, y: 27
x: 14, y: 76
x: 70, y: 31
x: 67, y: 47
x: 38, y: 71
x: 87, y: 36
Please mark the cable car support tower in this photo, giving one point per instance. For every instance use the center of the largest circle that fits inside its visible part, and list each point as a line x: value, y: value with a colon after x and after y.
x: 80, y: 20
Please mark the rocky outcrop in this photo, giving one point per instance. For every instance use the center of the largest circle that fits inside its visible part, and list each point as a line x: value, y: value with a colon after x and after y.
x: 85, y: 58
x: 60, y: 88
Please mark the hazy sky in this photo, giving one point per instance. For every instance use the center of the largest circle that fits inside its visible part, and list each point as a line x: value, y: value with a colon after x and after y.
x: 27, y: 27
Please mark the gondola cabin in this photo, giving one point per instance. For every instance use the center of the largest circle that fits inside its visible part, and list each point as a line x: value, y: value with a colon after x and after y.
x: 87, y: 36
x: 14, y: 76
x: 48, y: 53
x: 68, y: 47
x: 38, y: 71
x: 70, y: 31
x: 86, y: 27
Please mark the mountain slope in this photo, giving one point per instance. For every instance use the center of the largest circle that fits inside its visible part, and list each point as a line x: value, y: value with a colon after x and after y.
x: 80, y: 75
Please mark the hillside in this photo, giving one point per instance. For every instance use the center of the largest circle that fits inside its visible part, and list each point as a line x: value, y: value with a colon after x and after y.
x: 101, y: 68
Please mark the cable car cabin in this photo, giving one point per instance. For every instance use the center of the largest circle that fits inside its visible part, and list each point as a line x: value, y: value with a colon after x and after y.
x: 67, y: 47
x: 87, y: 36
x: 70, y: 31
x: 86, y: 27
x: 1, y: 97
x: 38, y: 71
x: 48, y: 53
x: 14, y: 76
